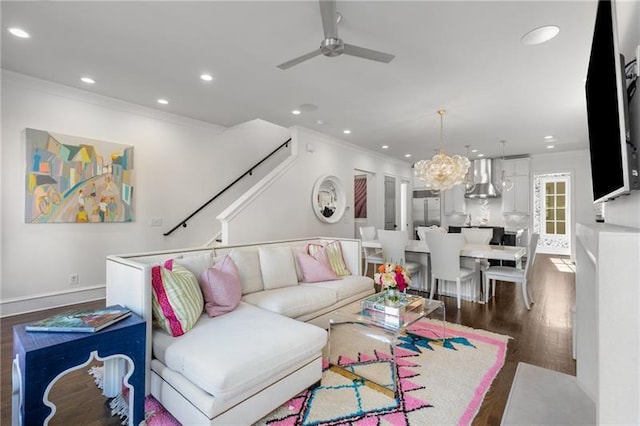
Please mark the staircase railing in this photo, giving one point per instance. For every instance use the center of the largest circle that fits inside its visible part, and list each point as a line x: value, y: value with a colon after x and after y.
x: 249, y: 172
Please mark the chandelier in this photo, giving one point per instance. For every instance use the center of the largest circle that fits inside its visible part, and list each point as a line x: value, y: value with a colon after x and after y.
x: 442, y: 171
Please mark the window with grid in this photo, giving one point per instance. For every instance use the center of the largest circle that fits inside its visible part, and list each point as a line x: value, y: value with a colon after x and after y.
x: 556, y: 208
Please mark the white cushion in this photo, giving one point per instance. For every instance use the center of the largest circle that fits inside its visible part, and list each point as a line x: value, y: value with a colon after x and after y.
x: 248, y: 263
x: 196, y: 264
x: 346, y: 286
x: 278, y: 267
x: 232, y: 353
x: 293, y: 301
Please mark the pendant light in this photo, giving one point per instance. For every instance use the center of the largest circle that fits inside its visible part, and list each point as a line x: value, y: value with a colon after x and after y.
x: 505, y: 183
x: 442, y: 171
x: 469, y: 178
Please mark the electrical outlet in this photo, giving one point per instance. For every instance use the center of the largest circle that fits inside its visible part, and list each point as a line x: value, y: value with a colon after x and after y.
x: 156, y: 221
x: 74, y: 279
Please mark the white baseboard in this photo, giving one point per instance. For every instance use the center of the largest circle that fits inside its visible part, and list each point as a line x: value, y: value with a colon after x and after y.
x: 39, y: 302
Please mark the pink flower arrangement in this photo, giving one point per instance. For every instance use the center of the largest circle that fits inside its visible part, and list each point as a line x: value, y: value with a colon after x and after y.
x: 390, y: 276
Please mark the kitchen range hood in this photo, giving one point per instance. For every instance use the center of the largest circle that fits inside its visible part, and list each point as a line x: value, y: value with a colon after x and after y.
x: 482, y: 177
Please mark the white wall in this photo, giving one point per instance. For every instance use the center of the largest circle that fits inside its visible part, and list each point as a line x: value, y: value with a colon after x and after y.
x: 577, y: 163
x: 285, y: 210
x: 180, y: 163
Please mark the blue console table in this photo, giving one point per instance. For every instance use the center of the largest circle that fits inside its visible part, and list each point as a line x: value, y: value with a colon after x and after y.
x: 41, y: 358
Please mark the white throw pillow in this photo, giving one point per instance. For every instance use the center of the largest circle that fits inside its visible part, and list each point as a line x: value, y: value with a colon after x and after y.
x: 196, y: 263
x: 278, y: 267
x: 248, y: 263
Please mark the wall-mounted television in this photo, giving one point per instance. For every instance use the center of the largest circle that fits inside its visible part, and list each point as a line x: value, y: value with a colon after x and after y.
x: 614, y: 161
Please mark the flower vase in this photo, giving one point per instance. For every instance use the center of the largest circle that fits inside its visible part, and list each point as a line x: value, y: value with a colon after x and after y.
x: 392, y: 295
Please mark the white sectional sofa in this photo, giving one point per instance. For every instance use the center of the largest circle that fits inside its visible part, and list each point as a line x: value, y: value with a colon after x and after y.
x: 237, y: 367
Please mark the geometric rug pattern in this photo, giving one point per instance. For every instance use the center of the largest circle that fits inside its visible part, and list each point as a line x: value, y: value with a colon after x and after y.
x: 438, y: 381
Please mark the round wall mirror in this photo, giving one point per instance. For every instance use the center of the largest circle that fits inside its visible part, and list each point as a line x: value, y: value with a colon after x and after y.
x: 329, y: 199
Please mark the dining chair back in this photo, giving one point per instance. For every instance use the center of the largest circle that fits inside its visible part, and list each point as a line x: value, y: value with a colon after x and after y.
x: 393, y: 250
x: 477, y: 235
x: 371, y: 255
x: 368, y: 233
x: 514, y: 274
x: 393, y: 245
x: 445, y: 250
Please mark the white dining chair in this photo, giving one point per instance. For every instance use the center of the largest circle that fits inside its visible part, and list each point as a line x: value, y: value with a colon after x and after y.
x: 477, y: 235
x: 393, y: 250
x: 513, y: 274
x: 422, y: 230
x: 371, y: 255
x: 445, y: 261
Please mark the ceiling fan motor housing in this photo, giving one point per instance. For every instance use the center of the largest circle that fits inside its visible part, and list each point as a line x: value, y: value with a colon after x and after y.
x: 332, y: 47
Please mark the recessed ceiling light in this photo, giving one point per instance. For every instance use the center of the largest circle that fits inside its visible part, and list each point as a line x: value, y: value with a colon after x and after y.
x: 19, y: 32
x: 385, y: 146
x: 206, y: 77
x: 550, y: 146
x: 474, y: 150
x: 346, y: 131
x: 540, y: 35
x: 87, y: 80
x: 407, y: 155
x: 163, y: 101
x: 480, y: 155
x: 320, y: 122
x: 548, y: 137
x: 296, y: 112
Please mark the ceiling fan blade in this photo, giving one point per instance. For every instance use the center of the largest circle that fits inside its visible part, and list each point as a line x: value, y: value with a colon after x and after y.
x: 329, y: 18
x: 299, y: 59
x: 361, y: 52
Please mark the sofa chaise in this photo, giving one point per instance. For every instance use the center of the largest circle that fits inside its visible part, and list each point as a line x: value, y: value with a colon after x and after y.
x: 237, y: 367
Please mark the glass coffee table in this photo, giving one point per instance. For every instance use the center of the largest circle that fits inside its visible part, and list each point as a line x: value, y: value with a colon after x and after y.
x: 364, y: 335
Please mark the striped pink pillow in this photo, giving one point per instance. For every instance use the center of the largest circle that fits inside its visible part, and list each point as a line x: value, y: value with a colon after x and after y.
x: 177, y: 301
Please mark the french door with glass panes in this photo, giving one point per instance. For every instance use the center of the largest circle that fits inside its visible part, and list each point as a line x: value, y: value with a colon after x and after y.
x: 552, y: 215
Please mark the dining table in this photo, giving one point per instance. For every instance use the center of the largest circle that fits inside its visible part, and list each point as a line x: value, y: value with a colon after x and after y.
x: 419, y: 251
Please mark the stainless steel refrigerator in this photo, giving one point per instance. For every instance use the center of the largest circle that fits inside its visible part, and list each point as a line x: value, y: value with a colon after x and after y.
x: 425, y: 209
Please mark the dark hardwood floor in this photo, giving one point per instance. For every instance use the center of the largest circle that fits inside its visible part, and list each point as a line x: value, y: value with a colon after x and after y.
x: 541, y: 337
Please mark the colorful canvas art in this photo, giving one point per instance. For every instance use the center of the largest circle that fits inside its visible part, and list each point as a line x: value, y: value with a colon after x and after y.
x: 74, y: 179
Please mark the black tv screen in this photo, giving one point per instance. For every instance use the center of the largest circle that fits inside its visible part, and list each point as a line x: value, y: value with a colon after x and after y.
x: 607, y: 109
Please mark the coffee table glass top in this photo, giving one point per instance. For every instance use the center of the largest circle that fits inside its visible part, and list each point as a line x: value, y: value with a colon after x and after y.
x: 395, y: 317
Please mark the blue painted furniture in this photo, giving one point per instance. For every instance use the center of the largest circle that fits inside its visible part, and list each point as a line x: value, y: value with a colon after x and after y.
x: 41, y: 358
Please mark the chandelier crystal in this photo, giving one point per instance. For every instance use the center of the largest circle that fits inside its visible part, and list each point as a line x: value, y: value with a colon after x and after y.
x: 442, y: 171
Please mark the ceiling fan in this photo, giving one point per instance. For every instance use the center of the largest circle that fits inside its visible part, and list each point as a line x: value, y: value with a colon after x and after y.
x: 332, y: 45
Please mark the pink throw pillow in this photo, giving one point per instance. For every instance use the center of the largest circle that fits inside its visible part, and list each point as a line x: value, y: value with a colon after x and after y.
x: 318, y: 252
x: 314, y: 270
x: 221, y: 287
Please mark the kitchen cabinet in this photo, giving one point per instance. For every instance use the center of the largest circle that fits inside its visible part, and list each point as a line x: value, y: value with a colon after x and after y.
x: 453, y: 200
x: 517, y: 200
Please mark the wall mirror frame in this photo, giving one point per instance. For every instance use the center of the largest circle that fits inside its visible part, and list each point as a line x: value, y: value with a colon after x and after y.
x: 328, y: 199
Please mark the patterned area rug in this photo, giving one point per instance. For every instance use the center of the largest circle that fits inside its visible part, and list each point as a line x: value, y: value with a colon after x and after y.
x: 154, y: 413
x: 439, y: 381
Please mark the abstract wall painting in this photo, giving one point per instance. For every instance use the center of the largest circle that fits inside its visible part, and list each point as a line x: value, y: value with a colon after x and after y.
x: 74, y: 179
